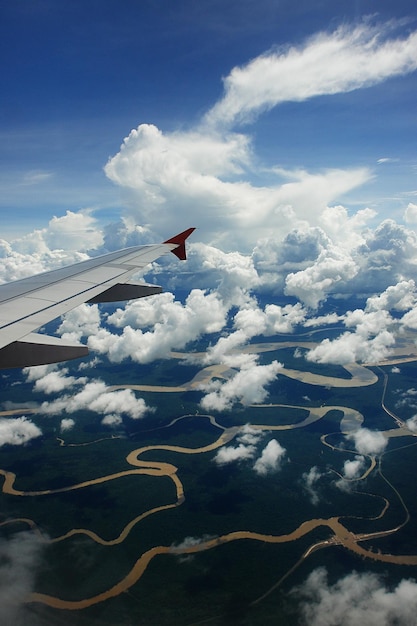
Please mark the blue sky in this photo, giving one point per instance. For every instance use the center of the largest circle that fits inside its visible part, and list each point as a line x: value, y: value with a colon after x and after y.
x: 78, y: 76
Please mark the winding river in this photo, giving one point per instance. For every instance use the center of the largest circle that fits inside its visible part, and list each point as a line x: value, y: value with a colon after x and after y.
x: 338, y: 534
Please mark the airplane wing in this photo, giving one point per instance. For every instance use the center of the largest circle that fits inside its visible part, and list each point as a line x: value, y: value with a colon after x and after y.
x: 28, y: 304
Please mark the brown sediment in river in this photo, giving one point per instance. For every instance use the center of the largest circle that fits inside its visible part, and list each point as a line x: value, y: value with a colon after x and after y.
x: 339, y: 534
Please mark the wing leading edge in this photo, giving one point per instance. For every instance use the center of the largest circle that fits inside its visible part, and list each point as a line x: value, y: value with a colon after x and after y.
x: 28, y: 304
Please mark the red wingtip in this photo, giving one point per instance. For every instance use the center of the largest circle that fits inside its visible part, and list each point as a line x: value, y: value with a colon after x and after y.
x: 180, y: 241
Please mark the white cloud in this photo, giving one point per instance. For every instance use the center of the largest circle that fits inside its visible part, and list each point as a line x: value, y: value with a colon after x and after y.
x: 70, y: 232
x: 112, y: 420
x: 17, y: 431
x: 312, y: 284
x: 368, y: 441
x: 352, y: 469
x: 351, y: 348
x: 249, y: 435
x: 165, y: 178
x: 399, y: 297
x: 95, y: 396
x: 269, y: 461
x: 386, y: 160
x: 247, y: 386
x: 19, y: 561
x: 247, y: 440
x: 82, y: 321
x: 328, y: 63
x: 270, y: 321
x: 190, y: 542
x: 412, y: 423
x: 67, y: 424
x: 173, y: 326
x: 371, y: 341
x: 62, y: 242
x: 271, y: 458
x: 51, y: 379
x: 410, y: 214
x: 356, y: 599
x: 56, y: 381
x: 34, y: 177
x: 231, y: 454
x: 309, y: 482
x: 323, y: 320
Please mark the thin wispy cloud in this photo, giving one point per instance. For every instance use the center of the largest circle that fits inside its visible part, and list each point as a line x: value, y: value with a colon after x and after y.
x: 328, y: 63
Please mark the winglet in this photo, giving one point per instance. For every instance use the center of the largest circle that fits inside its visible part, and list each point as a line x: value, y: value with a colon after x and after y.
x: 180, y: 241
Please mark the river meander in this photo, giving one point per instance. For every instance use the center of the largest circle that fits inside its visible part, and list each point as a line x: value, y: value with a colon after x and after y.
x: 338, y: 533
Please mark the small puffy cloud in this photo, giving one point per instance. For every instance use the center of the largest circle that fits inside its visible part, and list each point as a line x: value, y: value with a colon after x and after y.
x: 249, y: 435
x: 95, y: 396
x: 412, y: 423
x: 399, y: 297
x: 309, y: 482
x: 271, y: 458
x: 269, y: 461
x: 112, y: 420
x: 232, y: 454
x: 407, y: 399
x: 225, y: 350
x: 56, y: 381
x: 368, y: 441
x: 353, y: 347
x: 355, y: 599
x: 17, y: 431
x: 247, y: 386
x: 352, y: 469
x: 370, y: 342
x: 247, y: 440
x: 270, y: 321
x: 82, y: 321
x: 410, y: 215
x: 67, y: 423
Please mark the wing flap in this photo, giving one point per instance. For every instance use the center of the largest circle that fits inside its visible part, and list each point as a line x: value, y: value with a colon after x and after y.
x: 37, y: 349
x: 126, y: 291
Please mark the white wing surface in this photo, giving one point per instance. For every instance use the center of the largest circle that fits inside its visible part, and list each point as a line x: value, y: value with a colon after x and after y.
x: 28, y: 304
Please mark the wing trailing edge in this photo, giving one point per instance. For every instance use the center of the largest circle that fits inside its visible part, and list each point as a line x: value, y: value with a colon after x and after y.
x: 36, y: 349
